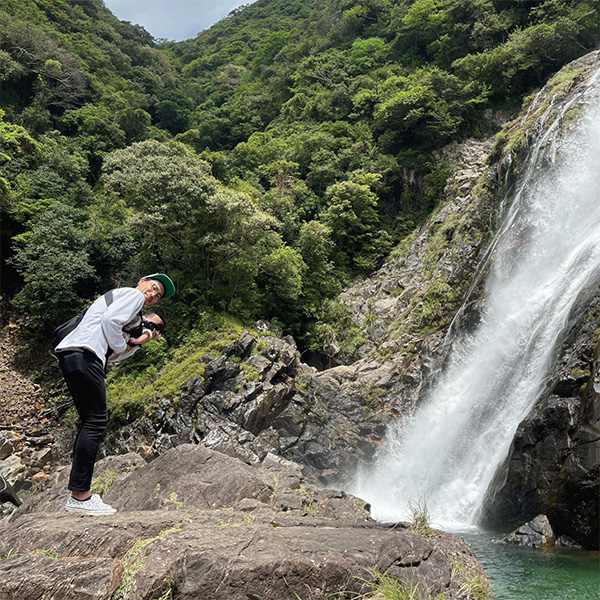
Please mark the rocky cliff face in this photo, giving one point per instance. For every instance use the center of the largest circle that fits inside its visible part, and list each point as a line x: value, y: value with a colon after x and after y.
x: 553, y: 466
x: 554, y: 462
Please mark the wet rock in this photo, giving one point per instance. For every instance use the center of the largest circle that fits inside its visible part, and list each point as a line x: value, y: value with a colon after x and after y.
x: 567, y: 542
x: 536, y: 534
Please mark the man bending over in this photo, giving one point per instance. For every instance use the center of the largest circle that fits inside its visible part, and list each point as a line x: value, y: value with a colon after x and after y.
x: 82, y: 355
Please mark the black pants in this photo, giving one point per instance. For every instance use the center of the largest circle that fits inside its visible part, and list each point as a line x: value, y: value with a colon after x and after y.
x: 84, y: 375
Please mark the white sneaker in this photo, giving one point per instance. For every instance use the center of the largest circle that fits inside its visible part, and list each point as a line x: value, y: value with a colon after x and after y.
x: 93, y: 506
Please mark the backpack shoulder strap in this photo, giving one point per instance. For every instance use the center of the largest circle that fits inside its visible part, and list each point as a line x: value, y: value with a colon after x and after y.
x: 135, y: 321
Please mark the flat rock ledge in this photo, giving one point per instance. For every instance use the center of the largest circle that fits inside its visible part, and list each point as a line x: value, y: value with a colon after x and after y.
x: 196, y: 523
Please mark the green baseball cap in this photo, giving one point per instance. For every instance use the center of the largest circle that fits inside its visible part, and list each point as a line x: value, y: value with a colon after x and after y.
x: 166, y: 281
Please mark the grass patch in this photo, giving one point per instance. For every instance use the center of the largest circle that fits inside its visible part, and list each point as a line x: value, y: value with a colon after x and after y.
x: 421, y: 518
x: 131, y: 392
x: 102, y: 484
x: 5, y: 551
x: 473, y: 586
x: 385, y: 587
x: 168, y: 595
x: 132, y: 562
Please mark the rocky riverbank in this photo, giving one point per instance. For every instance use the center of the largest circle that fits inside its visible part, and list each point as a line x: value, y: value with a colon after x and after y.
x: 195, y: 523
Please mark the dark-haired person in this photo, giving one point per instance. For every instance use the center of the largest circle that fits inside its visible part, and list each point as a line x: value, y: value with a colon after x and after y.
x: 139, y: 332
x: 82, y: 356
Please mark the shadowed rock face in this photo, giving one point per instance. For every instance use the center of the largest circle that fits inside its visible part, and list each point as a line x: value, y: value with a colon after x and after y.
x: 205, y: 525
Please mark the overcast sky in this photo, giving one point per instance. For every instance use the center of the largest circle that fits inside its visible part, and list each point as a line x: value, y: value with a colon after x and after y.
x: 173, y: 19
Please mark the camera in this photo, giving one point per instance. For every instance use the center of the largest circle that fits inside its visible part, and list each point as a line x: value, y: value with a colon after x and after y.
x: 151, y: 325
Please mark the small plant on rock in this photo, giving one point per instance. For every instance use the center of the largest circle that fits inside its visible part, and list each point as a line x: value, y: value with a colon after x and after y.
x: 473, y: 585
x: 102, y: 484
x: 5, y: 551
x: 50, y: 553
x: 421, y: 518
x: 168, y: 595
x: 382, y: 586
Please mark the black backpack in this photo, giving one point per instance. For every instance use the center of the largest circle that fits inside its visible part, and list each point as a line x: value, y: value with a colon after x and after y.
x: 63, y: 330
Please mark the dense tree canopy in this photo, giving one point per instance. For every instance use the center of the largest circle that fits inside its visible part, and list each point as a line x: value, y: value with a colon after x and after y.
x: 262, y: 163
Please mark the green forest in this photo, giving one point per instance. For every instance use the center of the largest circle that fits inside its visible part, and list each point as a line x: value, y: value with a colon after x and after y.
x: 263, y: 164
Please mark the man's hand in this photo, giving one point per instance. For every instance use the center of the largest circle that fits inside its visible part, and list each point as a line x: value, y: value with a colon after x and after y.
x: 144, y: 338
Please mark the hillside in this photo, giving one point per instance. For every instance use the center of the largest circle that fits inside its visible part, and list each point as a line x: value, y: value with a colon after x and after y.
x: 314, y: 123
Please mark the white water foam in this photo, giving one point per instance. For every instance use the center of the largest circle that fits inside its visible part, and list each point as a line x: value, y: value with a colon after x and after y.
x: 546, y: 252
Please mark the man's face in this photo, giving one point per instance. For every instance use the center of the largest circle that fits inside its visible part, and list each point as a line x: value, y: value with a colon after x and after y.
x: 152, y: 289
x: 155, y: 319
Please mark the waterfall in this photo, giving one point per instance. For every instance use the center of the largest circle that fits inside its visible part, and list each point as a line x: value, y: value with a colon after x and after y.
x: 545, y: 252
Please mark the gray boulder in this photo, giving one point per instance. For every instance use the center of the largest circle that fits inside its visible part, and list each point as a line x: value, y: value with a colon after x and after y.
x: 536, y: 534
x: 200, y: 524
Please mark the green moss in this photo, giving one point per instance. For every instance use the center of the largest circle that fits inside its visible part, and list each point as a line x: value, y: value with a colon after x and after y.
x: 562, y: 83
x: 246, y: 520
x: 172, y: 501
x: 436, y: 307
x: 515, y: 142
x: 301, y: 382
x: 402, y: 249
x: 133, y: 393
x: 382, y: 354
x: 397, y: 292
x: 578, y: 372
x: 457, y: 228
x: 250, y: 372
x: 102, y: 484
x: 371, y: 396
x: 571, y: 116
x: 369, y: 319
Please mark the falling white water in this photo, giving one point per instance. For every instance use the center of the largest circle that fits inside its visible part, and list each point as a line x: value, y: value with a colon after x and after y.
x: 546, y: 251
